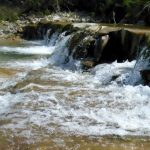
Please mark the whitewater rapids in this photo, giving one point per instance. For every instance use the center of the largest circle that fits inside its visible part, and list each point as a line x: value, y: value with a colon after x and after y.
x: 41, y: 95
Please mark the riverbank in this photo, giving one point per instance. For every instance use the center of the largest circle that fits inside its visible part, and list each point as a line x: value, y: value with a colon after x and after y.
x: 9, y: 29
x: 112, y: 11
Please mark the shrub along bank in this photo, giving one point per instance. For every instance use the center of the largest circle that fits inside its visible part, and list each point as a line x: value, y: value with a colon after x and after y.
x: 109, y: 11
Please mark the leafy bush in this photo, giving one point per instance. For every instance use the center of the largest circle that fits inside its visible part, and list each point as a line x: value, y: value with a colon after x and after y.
x: 8, y: 13
x: 103, y: 8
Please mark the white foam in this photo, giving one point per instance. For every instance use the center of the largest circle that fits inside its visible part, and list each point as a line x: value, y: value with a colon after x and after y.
x: 32, y: 64
x: 91, y: 110
x: 106, y: 73
x: 125, y: 112
x: 33, y: 50
x: 103, y: 101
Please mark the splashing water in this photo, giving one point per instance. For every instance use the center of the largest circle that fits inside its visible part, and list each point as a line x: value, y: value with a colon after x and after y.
x: 43, y: 93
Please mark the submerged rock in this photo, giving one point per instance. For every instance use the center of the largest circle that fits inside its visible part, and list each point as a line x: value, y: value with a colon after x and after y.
x: 88, y: 63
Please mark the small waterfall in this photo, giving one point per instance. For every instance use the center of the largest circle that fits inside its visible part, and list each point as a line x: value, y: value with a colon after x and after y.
x: 144, y: 58
x: 76, y: 50
x: 60, y: 57
x: 61, y: 52
x: 141, y: 63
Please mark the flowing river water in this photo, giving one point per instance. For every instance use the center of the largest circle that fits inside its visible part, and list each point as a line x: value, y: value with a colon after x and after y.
x: 46, y: 103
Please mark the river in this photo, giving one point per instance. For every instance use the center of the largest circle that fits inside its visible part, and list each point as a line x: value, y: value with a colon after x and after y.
x: 46, y: 103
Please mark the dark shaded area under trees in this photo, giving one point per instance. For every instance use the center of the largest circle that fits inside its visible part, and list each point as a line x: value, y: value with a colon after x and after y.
x: 109, y: 11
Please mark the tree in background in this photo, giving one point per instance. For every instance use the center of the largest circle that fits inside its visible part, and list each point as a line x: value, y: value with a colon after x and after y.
x: 108, y: 10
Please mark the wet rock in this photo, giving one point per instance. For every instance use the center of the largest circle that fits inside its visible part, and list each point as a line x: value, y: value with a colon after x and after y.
x: 75, y: 40
x: 114, y: 77
x: 39, y: 30
x: 101, y: 43
x: 146, y: 76
x: 122, y: 45
x: 88, y: 63
x: 85, y: 49
x: 31, y: 32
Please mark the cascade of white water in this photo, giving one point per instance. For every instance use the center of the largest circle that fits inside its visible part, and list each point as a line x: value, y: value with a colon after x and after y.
x: 60, y: 54
x: 99, y: 102
x: 142, y: 63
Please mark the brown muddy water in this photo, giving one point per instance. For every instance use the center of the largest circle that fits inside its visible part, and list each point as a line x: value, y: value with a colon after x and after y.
x: 46, y: 104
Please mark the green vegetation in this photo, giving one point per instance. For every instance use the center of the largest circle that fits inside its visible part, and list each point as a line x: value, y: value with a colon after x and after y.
x: 108, y: 10
x: 8, y: 13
